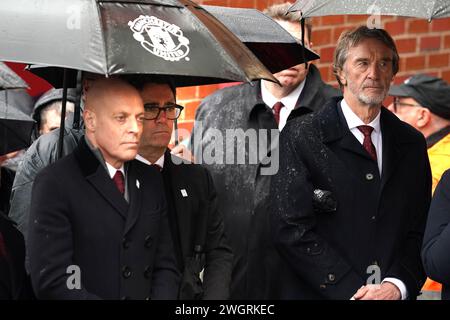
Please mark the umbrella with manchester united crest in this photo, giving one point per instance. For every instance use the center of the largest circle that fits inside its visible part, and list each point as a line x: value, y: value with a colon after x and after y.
x: 175, y: 38
x: 165, y: 37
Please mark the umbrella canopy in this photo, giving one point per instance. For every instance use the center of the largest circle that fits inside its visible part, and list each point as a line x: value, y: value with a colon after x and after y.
x: 426, y: 9
x: 276, y: 48
x: 9, y: 79
x: 15, y: 126
x: 164, y: 37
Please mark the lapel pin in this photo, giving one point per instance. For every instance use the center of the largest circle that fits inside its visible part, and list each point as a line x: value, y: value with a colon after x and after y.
x: 184, y: 193
x: 137, y: 183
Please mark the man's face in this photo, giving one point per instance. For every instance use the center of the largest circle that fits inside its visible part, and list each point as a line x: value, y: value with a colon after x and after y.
x: 52, y: 121
x: 406, y: 109
x: 157, y: 132
x: 367, y: 72
x: 293, y: 76
x: 116, y: 122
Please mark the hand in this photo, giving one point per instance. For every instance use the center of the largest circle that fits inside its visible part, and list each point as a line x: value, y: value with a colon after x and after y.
x: 384, y: 291
x: 181, y: 151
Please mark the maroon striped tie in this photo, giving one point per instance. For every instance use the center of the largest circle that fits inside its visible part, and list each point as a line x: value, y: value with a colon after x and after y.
x: 367, y: 143
x: 276, y: 111
x: 119, y: 181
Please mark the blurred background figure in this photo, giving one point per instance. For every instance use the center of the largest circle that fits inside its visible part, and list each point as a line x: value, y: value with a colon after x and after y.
x: 424, y: 102
x: 436, y: 241
x: 47, y: 110
x: 16, y: 105
x: 242, y: 190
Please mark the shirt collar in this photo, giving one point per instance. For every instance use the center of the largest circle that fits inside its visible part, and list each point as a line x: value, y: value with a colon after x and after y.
x: 288, y: 101
x: 354, y: 121
x: 159, y: 162
x: 112, y: 170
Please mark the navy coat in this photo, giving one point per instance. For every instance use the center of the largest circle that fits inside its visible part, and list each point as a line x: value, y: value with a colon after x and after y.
x: 379, y: 220
x: 436, y: 242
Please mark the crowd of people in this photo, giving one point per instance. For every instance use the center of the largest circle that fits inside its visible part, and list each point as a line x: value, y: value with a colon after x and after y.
x: 339, y: 205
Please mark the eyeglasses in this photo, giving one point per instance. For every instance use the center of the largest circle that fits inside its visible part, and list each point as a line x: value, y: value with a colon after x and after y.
x: 153, y: 110
x: 398, y: 104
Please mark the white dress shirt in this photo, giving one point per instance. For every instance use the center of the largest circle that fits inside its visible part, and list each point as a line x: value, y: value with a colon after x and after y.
x: 289, y: 101
x: 159, y: 162
x: 353, y: 121
x: 112, y: 171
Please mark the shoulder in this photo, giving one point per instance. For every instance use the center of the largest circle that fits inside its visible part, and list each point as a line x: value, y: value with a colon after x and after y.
x: 58, y: 175
x: 220, y: 99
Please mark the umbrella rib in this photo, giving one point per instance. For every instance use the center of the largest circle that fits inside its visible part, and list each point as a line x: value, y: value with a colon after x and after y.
x: 105, y: 52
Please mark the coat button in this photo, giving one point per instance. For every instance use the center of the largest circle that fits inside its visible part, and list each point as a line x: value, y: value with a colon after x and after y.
x: 373, y: 218
x: 331, y: 277
x: 148, y: 298
x: 126, y: 272
x: 147, y: 272
x: 148, y: 241
x: 125, y: 298
x: 126, y: 243
x: 369, y: 176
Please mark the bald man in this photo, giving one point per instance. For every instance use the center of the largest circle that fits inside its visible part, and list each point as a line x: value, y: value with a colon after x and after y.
x: 98, y: 223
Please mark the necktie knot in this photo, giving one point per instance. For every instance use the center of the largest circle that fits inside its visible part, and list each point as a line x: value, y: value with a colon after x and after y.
x: 276, y: 111
x: 366, y: 130
x: 119, y: 180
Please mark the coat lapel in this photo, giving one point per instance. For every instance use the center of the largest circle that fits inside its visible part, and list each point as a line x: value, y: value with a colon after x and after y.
x: 178, y: 206
x: 97, y: 176
x: 394, y: 145
x: 135, y: 196
x: 334, y: 128
x: 106, y: 187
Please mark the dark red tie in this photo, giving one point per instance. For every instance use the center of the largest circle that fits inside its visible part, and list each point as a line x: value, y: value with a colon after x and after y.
x: 276, y: 111
x: 367, y: 143
x: 119, y: 181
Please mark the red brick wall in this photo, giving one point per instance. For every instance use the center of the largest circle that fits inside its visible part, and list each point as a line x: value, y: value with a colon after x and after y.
x: 423, y: 47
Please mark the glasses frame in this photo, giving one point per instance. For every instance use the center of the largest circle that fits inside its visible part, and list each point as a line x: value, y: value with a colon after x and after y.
x: 165, y: 107
x: 397, y: 105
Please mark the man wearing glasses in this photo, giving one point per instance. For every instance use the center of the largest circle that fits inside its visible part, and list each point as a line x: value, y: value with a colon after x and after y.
x: 424, y: 102
x: 196, y: 223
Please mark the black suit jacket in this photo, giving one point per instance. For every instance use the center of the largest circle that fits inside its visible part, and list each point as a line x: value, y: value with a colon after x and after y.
x: 436, y: 242
x: 379, y: 220
x: 185, y: 215
x: 78, y: 217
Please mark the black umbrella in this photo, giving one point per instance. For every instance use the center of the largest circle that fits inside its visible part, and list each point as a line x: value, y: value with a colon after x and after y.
x: 276, y: 48
x: 15, y: 126
x: 9, y: 79
x: 176, y: 38
x: 164, y: 37
x: 429, y: 9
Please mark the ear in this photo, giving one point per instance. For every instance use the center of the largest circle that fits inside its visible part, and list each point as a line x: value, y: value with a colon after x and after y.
x: 423, y: 117
x: 341, y: 76
x: 90, y: 121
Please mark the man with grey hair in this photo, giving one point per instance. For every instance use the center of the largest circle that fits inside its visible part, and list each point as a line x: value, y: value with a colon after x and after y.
x: 47, y: 110
x: 375, y: 171
x: 262, y: 108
